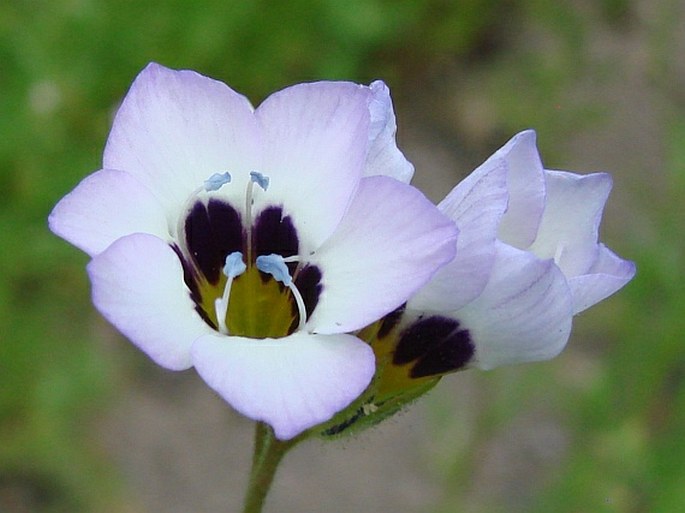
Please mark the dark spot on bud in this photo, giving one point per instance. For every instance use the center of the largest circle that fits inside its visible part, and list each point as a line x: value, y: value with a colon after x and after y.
x: 449, y: 356
x: 391, y: 320
x: 421, y: 337
x: 436, y: 345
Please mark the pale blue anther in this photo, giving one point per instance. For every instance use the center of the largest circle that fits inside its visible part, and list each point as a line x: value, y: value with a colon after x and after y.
x: 216, y: 181
x: 275, y: 266
x: 235, y: 266
x: 260, y: 179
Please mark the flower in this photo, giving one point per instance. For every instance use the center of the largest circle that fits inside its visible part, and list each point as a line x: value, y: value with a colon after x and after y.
x: 528, y: 259
x: 250, y: 243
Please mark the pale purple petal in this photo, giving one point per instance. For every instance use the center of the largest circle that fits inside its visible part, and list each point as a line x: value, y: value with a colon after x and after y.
x: 607, y: 275
x: 525, y: 181
x: 390, y: 243
x: 524, y: 313
x: 138, y: 287
x: 291, y: 383
x: 569, y: 229
x: 476, y: 205
x: 175, y: 129
x: 104, y: 207
x: 384, y: 158
x: 315, y: 143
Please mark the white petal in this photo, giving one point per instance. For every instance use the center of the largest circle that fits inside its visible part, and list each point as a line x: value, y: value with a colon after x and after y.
x: 175, y: 129
x: 138, y: 287
x: 570, y: 224
x: 104, y: 207
x: 524, y: 313
x: 525, y: 181
x: 608, y: 274
x: 291, y: 383
x: 476, y: 205
x: 390, y: 243
x: 384, y: 157
x: 315, y: 143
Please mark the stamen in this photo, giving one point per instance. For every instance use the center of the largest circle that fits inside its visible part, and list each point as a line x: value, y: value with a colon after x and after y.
x: 259, y: 179
x: 211, y: 184
x: 216, y: 181
x: 234, y: 266
x: 263, y: 182
x: 275, y: 266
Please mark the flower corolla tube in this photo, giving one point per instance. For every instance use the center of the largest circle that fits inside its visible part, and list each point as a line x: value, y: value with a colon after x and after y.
x: 254, y: 244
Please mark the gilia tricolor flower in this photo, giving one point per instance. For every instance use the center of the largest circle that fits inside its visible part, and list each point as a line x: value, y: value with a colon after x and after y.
x: 528, y: 259
x: 250, y: 243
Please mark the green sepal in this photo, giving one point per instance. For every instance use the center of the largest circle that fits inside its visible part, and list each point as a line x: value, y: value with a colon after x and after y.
x: 368, y: 411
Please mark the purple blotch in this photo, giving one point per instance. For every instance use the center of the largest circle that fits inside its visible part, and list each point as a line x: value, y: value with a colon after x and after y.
x: 436, y: 345
x: 212, y: 232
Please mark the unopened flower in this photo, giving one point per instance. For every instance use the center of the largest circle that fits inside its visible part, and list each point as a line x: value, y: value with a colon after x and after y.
x: 528, y: 259
x: 249, y: 243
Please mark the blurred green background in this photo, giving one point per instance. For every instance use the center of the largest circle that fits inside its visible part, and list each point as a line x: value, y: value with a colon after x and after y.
x: 600, y: 428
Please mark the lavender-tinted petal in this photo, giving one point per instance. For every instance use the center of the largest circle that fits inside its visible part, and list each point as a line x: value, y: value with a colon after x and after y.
x: 315, y: 143
x: 105, y: 206
x: 526, y: 185
x: 607, y: 275
x: 570, y: 224
x: 138, y: 287
x: 390, y: 243
x: 292, y: 383
x: 175, y: 129
x: 384, y: 157
x: 476, y: 205
x: 524, y: 313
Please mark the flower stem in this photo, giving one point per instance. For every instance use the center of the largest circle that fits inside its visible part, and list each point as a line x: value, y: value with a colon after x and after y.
x: 268, y: 453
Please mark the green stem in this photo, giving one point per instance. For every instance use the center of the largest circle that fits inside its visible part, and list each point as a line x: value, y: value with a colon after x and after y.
x: 268, y: 453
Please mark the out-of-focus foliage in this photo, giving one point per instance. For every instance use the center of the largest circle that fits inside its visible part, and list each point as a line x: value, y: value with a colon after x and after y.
x: 64, y: 64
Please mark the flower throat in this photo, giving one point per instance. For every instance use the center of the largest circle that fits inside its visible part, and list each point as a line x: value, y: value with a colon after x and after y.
x: 245, y: 278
